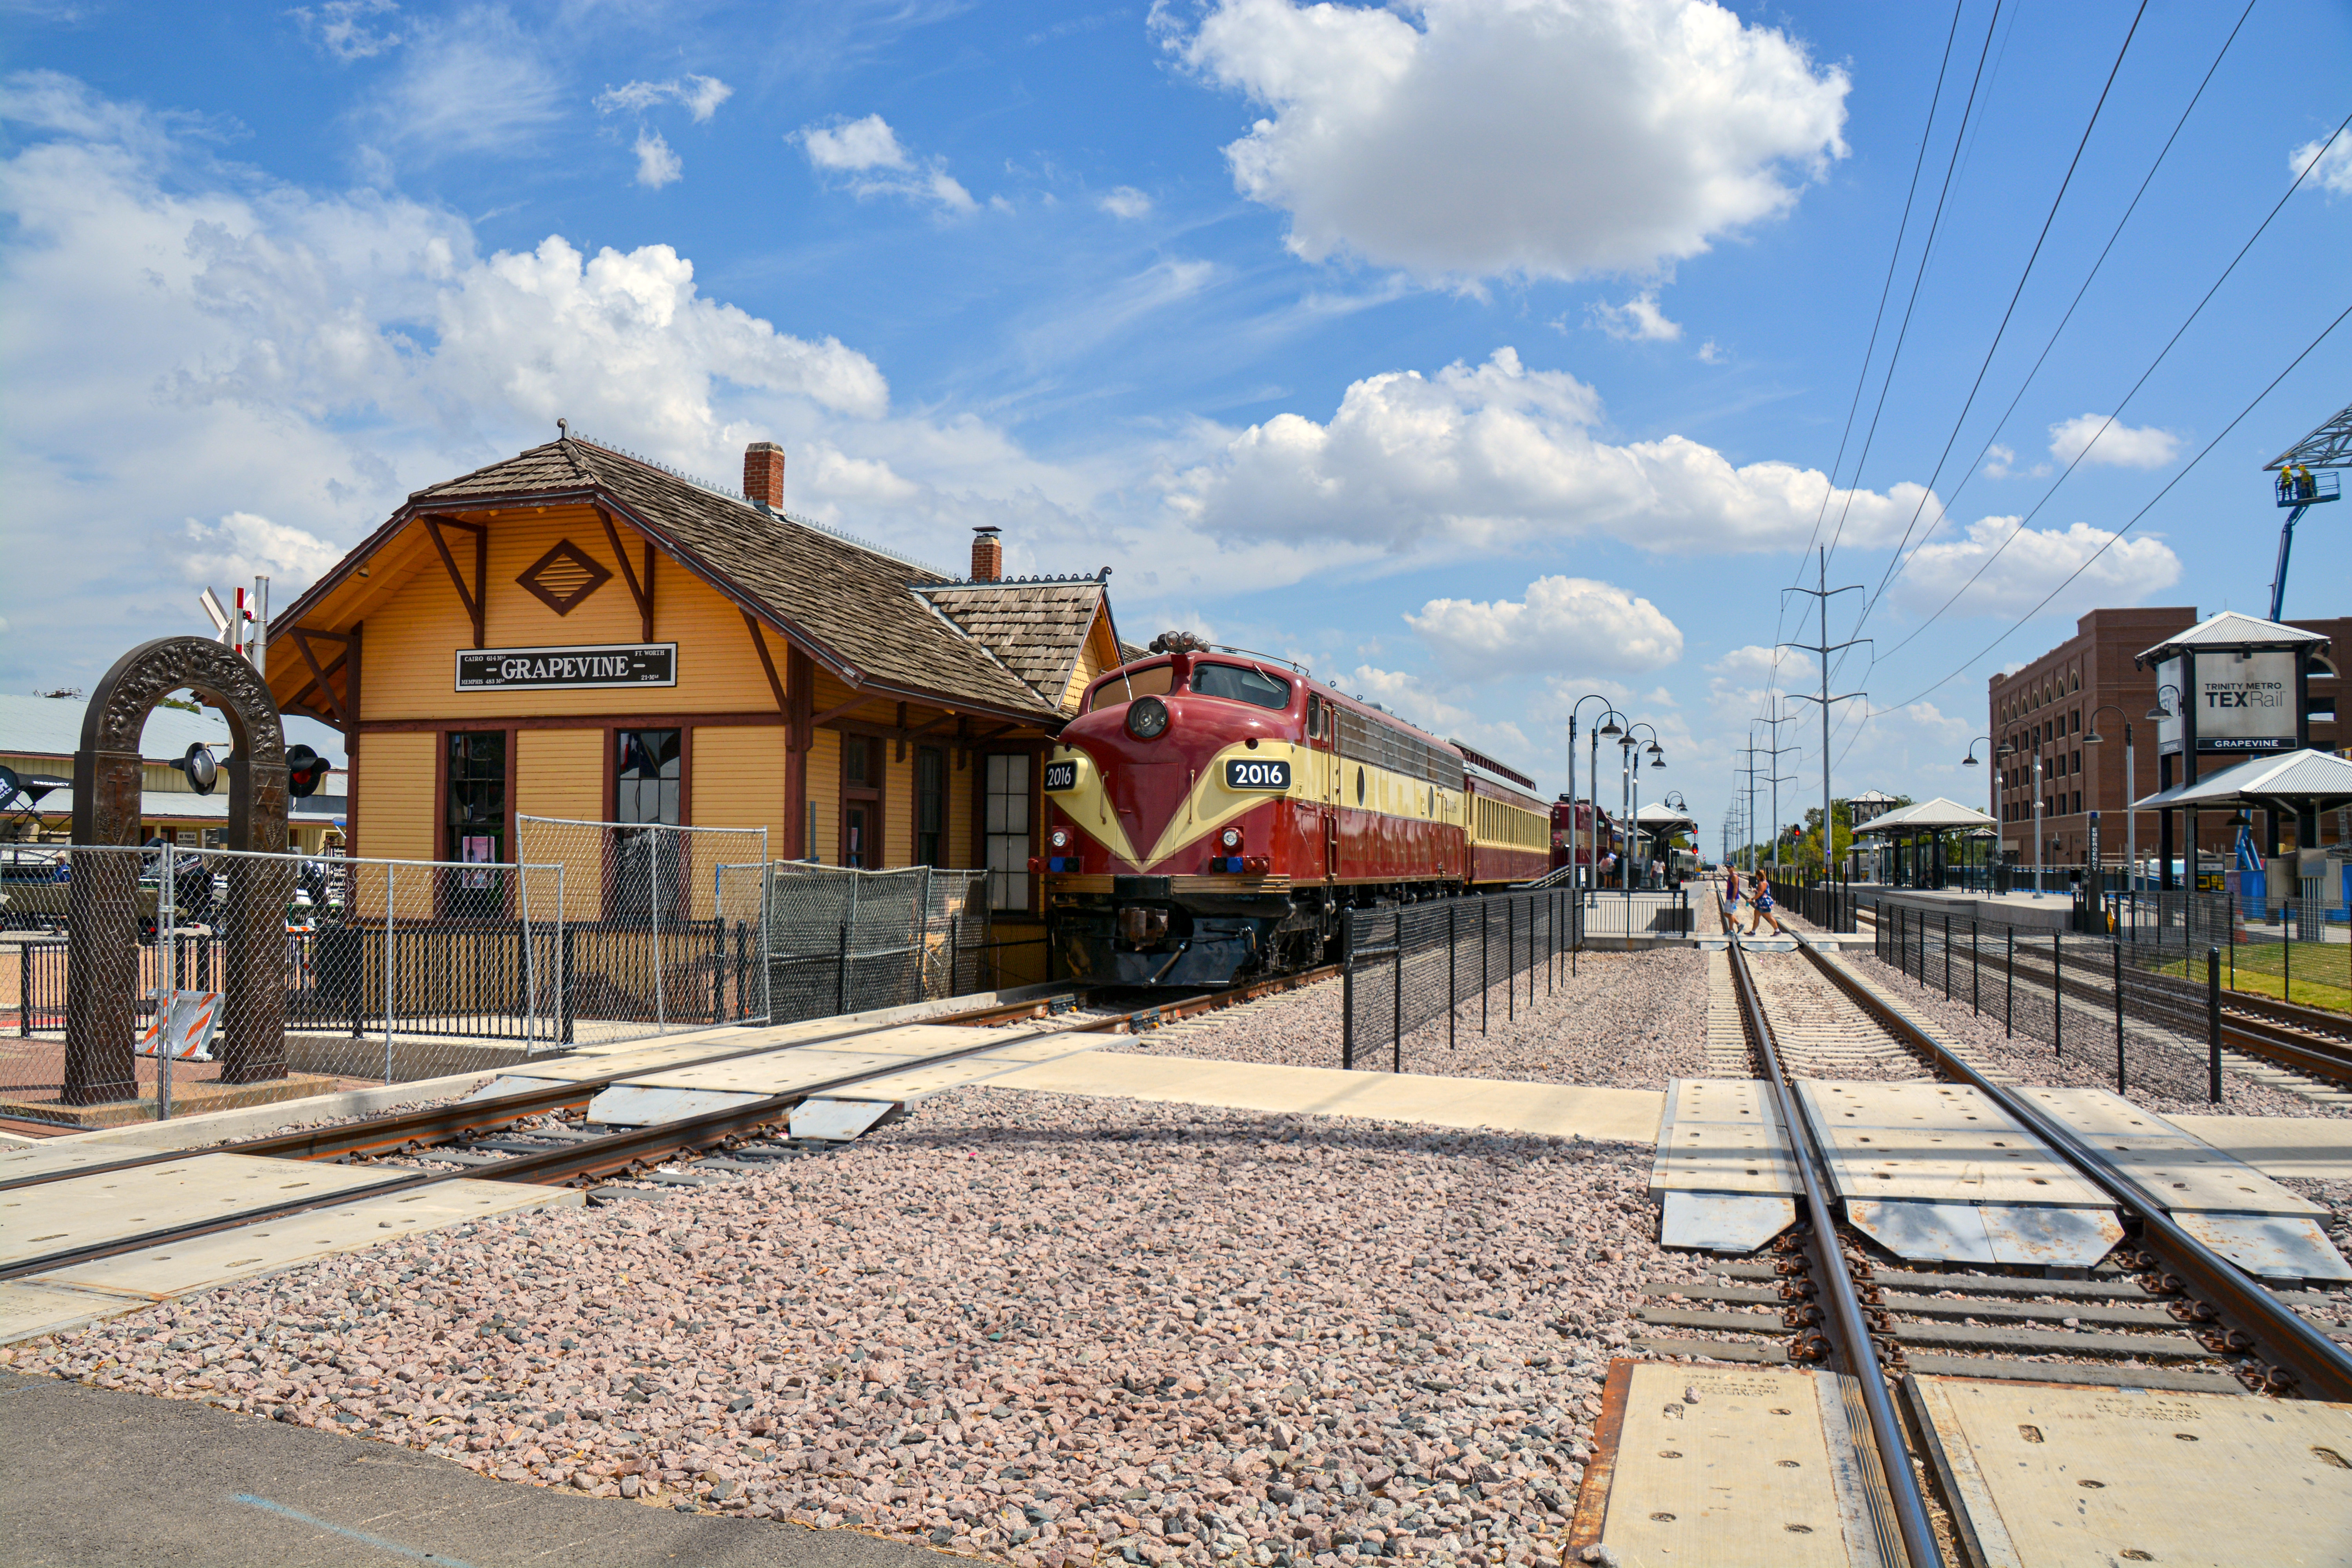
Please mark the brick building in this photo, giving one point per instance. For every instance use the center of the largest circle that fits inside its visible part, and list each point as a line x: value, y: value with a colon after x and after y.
x: 2088, y: 684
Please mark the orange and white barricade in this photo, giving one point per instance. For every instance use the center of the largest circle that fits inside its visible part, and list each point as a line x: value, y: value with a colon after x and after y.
x: 184, y: 1024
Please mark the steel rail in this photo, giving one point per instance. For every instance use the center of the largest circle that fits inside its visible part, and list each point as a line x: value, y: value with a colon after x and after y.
x: 2243, y: 1302
x: 1836, y: 1282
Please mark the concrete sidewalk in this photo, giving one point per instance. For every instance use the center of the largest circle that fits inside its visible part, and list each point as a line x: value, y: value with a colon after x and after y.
x: 98, y: 1478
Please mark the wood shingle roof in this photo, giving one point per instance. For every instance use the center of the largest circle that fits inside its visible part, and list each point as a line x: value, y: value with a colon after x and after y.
x: 866, y: 614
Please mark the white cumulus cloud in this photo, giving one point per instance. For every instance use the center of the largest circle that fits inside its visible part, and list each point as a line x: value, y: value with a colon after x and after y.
x: 1497, y: 455
x: 656, y: 164
x: 1564, y: 623
x: 341, y: 27
x: 869, y: 152
x: 243, y: 546
x: 2129, y: 570
x: 1539, y: 138
x: 1406, y: 695
x: 2094, y: 439
x: 2333, y: 173
x: 1639, y: 319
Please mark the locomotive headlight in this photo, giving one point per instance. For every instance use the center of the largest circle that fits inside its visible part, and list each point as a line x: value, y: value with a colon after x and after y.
x: 1147, y: 718
x: 1060, y: 839
x: 1231, y: 838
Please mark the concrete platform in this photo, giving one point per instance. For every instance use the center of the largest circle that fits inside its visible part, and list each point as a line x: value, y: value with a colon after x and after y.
x: 2053, y: 911
x: 1552, y: 1110
x: 2050, y: 1475
x: 98, y: 1479
x: 191, y: 1096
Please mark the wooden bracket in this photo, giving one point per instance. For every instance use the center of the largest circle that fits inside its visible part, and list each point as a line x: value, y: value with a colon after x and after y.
x: 318, y: 677
x: 767, y: 662
x: 836, y: 711
x: 641, y: 591
x: 475, y: 599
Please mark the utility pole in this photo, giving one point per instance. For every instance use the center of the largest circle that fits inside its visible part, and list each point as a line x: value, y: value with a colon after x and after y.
x: 1748, y: 825
x: 1824, y: 593
x: 1776, y: 752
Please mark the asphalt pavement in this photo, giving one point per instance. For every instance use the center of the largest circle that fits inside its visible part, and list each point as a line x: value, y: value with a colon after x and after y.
x: 95, y: 1478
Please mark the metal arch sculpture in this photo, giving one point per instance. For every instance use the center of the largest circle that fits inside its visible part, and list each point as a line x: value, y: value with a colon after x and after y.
x: 102, y: 908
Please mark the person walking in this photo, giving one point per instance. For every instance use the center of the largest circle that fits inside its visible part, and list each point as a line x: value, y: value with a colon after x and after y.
x: 1730, y: 896
x: 1759, y: 904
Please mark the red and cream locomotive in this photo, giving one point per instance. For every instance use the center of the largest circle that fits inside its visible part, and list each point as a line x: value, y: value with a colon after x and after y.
x: 1211, y: 813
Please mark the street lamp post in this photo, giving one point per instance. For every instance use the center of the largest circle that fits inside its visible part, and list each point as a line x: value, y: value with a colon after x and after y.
x: 2011, y: 752
x: 1632, y: 749
x: 2131, y: 793
x: 1609, y: 718
x: 2157, y: 715
x: 1993, y: 791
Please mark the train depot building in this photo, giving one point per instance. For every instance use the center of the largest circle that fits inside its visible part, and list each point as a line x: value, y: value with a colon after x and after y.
x: 579, y: 634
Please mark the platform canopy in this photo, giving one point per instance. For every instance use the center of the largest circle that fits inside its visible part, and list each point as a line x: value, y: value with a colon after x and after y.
x: 1658, y: 817
x: 1936, y: 815
x: 2309, y: 780
x: 2231, y: 631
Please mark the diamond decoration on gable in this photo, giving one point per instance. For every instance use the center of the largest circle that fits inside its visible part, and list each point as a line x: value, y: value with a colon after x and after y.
x: 563, y: 576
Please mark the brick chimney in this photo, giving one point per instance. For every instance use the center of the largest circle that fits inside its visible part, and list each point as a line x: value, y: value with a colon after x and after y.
x: 987, y: 555
x: 763, y: 475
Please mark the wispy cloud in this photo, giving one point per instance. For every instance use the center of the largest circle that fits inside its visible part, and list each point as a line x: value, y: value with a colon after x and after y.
x: 701, y: 95
x: 1125, y: 201
x: 474, y: 83
x: 340, y: 28
x: 868, y: 152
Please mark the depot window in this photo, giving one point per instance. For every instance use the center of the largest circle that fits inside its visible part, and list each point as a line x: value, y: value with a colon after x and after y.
x: 1005, y: 823
x: 1144, y: 680
x: 932, y: 807
x: 476, y: 821
x: 1239, y: 683
x: 649, y: 866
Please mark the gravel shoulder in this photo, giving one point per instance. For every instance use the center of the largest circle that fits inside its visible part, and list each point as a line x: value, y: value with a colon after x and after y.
x: 1622, y: 1020
x: 1034, y: 1329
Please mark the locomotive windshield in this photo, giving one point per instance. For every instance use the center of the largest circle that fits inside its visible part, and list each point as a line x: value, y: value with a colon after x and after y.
x: 1144, y: 680
x: 1240, y: 684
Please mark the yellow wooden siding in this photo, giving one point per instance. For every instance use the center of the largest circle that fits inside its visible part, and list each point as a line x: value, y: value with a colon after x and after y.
x: 397, y: 805
x: 960, y: 785
x: 560, y: 773
x: 413, y: 633
x: 1096, y: 653
x: 825, y: 795
x: 738, y: 780
x: 897, y: 807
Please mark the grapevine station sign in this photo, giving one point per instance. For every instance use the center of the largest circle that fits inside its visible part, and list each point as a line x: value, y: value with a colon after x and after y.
x: 567, y: 668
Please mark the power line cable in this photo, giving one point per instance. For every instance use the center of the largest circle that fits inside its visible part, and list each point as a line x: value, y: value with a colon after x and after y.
x: 2168, y: 345
x: 2064, y: 320
x: 2002, y: 332
x: 2114, y: 538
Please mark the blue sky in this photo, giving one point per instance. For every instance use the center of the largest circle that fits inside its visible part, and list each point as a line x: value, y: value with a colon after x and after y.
x: 1482, y: 354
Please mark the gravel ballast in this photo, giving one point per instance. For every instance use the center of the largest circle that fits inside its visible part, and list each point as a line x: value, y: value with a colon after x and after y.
x: 1623, y: 1020
x: 1035, y: 1328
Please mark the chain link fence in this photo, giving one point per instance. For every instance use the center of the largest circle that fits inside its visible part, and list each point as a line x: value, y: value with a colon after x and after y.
x: 663, y: 928
x: 212, y: 978
x: 1406, y: 968
x: 846, y: 941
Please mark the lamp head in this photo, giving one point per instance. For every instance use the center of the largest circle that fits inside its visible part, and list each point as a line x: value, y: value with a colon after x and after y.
x: 2159, y: 712
x: 2092, y: 739
x: 1609, y: 725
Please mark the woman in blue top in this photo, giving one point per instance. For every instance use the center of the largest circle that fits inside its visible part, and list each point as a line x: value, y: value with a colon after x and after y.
x: 1759, y: 904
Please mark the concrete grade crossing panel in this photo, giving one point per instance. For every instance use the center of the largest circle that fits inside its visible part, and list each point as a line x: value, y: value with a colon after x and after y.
x: 1734, y: 1467
x: 1722, y: 1177
x: 2217, y: 1197
x: 1937, y: 1173
x: 84, y: 1211
x: 2047, y: 1475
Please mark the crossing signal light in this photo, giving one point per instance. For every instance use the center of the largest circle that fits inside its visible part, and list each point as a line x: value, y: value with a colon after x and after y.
x: 306, y: 770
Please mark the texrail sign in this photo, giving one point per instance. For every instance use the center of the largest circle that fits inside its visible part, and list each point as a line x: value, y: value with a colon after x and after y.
x: 567, y: 668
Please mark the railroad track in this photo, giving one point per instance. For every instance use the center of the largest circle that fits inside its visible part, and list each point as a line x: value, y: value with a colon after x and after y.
x: 534, y: 1136
x: 2162, y: 1311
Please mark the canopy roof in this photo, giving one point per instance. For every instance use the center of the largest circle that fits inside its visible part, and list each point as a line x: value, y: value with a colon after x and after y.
x: 1936, y: 815
x: 2232, y: 630
x: 2313, y: 778
x: 1657, y: 816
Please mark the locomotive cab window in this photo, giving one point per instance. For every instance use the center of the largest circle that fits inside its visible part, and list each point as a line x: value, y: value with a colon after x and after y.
x: 1318, y: 717
x: 1149, y: 681
x: 1237, y: 683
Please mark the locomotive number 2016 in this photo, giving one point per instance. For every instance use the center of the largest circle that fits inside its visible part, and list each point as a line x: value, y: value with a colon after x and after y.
x: 1245, y: 773
x: 1061, y: 776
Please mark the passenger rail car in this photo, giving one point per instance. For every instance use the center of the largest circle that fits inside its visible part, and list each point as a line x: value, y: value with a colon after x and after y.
x: 1209, y: 813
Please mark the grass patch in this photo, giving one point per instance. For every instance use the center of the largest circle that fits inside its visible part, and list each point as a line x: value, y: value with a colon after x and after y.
x: 2320, y: 973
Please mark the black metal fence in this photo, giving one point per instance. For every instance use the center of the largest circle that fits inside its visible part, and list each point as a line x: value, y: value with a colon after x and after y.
x: 1405, y: 968
x: 1823, y: 900
x: 846, y: 941
x: 2137, y: 1016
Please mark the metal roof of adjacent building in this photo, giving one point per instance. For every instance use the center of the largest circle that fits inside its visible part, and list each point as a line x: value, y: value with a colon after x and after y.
x: 1936, y: 815
x: 51, y: 727
x: 2232, y: 630
x: 2320, y: 779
